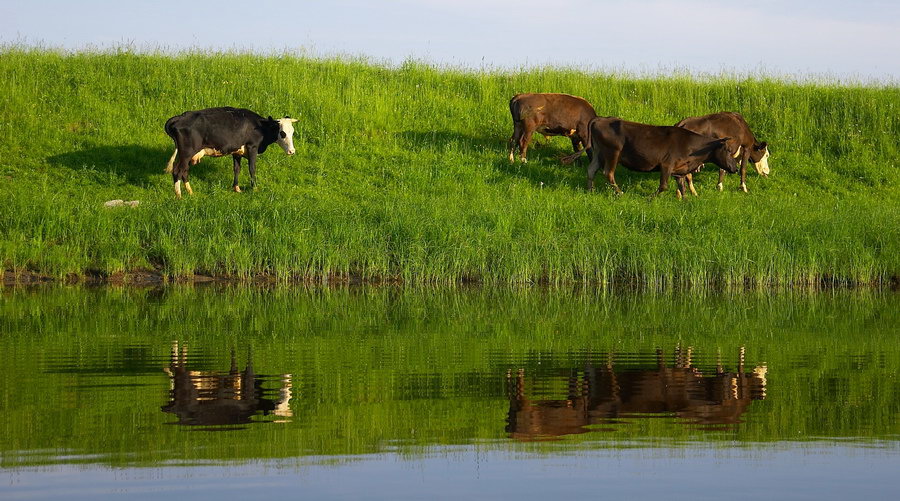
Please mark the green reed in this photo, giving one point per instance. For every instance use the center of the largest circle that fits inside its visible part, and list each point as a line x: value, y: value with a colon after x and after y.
x: 401, y: 173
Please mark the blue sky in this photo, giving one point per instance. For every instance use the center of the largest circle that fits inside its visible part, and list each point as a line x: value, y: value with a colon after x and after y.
x: 797, y: 38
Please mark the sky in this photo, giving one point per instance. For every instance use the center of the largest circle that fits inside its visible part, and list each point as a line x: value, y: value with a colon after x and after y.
x: 800, y: 39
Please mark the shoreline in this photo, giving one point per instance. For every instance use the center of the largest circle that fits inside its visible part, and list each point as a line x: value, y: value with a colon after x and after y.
x: 151, y: 278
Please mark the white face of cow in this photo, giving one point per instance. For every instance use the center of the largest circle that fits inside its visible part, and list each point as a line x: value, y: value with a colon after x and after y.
x: 286, y: 134
x: 762, y: 167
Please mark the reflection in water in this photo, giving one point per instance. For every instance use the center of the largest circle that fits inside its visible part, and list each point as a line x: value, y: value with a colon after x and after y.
x: 222, y: 398
x: 383, y: 369
x: 599, y: 395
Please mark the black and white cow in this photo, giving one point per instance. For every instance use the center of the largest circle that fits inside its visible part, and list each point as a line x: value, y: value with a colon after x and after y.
x: 217, y: 132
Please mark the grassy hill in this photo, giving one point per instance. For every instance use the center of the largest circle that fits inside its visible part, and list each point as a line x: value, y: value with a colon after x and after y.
x: 401, y: 173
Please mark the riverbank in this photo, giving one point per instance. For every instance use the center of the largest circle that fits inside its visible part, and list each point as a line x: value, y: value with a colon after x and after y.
x: 401, y: 175
x: 149, y: 278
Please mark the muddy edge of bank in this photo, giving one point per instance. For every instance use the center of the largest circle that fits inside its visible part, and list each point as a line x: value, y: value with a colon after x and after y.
x: 154, y: 278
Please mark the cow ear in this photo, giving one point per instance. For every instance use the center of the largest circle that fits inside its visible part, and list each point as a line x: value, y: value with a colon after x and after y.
x: 270, y: 118
x: 761, y: 146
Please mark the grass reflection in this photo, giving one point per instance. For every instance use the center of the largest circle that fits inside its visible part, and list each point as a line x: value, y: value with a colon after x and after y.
x: 94, y: 373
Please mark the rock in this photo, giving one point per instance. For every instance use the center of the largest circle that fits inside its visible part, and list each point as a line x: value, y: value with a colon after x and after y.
x: 121, y: 203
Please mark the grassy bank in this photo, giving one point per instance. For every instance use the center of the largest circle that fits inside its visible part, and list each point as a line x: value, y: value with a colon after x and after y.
x: 402, y: 173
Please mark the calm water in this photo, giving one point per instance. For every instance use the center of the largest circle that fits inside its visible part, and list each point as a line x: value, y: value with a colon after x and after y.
x: 430, y: 393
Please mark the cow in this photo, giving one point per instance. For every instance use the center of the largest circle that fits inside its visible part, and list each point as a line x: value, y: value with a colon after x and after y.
x: 217, y: 132
x: 674, y: 151
x: 742, y: 142
x: 551, y: 115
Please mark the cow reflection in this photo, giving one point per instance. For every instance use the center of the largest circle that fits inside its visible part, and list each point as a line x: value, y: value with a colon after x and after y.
x: 600, y: 395
x: 210, y: 398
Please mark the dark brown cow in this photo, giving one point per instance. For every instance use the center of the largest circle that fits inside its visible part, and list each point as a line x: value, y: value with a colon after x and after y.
x: 673, y: 151
x: 550, y: 115
x: 741, y: 142
x: 597, y: 398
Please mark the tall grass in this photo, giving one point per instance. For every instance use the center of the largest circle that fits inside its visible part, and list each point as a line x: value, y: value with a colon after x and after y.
x: 401, y: 173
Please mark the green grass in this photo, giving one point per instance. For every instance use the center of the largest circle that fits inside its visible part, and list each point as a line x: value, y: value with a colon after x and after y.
x: 401, y: 173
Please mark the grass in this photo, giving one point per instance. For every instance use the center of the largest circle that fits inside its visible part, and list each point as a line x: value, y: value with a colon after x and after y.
x: 401, y: 174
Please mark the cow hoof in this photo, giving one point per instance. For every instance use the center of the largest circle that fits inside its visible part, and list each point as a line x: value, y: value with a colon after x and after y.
x: 237, y: 189
x: 720, y: 187
x: 744, y: 188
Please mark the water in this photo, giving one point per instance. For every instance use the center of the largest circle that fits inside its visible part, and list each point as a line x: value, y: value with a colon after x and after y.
x: 430, y: 393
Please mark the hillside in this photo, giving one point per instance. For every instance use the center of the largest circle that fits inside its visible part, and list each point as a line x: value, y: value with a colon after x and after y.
x: 402, y: 174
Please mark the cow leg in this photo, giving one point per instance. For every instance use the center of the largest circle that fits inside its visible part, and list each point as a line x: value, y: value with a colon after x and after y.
x: 179, y: 172
x: 575, y: 143
x: 690, y: 181
x: 609, y: 170
x: 184, y: 176
x: 524, y: 139
x: 251, y: 163
x: 681, y: 193
x: 171, y: 164
x: 514, y: 140
x: 664, y: 174
x: 584, y: 136
x: 187, y: 184
x: 744, y: 170
x: 236, y: 160
x: 721, y: 186
x: 592, y: 169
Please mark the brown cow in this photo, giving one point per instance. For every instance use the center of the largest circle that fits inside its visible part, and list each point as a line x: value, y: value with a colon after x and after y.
x: 742, y: 142
x: 551, y: 115
x: 673, y: 151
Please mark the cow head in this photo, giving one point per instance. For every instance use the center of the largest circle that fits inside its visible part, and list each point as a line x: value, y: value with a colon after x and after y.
x: 286, y: 134
x: 720, y: 155
x: 759, y: 155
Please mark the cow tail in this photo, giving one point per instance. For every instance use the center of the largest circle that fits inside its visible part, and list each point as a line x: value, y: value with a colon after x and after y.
x: 171, y: 163
x: 168, y: 127
x: 568, y: 159
x: 171, y: 133
x: 514, y: 109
